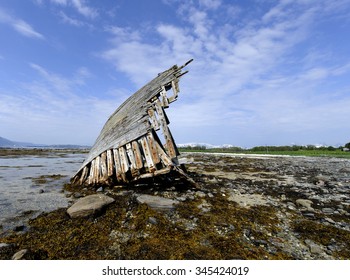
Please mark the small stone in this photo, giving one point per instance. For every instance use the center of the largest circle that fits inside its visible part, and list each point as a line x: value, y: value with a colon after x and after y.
x: 327, y: 210
x: 100, y: 189
x: 41, y: 191
x: 153, y: 220
x: 78, y: 195
x: 329, y: 220
x: 20, y: 254
x: 157, y: 202
x: 304, y: 203
x: 200, y: 194
x: 313, y: 247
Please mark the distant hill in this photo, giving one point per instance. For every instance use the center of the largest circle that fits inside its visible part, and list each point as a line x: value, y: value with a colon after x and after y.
x: 6, y: 143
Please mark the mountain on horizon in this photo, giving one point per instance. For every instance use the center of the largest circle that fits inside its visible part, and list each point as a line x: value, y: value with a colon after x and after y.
x: 6, y: 143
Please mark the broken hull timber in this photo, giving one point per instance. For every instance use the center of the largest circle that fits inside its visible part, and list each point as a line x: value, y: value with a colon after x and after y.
x: 128, y: 148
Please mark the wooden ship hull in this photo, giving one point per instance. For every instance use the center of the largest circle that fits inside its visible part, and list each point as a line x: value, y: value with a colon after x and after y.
x: 128, y: 148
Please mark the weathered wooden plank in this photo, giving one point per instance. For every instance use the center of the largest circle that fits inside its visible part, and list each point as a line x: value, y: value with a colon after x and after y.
x: 164, y: 98
x: 103, y: 166
x: 147, y: 154
x: 137, y: 154
x: 164, y: 157
x: 96, y: 177
x: 153, y: 119
x: 83, y: 175
x: 170, y: 145
x: 92, y: 172
x: 131, y: 156
x: 153, y: 147
x: 110, y: 163
x: 123, y: 159
x: 162, y: 171
x: 118, y: 168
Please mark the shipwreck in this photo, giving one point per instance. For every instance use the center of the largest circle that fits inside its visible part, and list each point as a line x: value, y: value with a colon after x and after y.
x: 129, y: 148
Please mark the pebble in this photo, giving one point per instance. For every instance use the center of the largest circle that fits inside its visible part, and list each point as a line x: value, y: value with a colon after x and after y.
x: 327, y: 210
x: 20, y: 254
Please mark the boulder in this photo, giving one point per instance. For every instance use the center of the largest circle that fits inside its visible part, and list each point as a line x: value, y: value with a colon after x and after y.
x: 157, y: 202
x: 89, y: 205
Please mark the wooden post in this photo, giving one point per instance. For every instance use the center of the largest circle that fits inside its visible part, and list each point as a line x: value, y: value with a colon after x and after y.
x: 137, y: 154
x: 103, y: 166
x: 147, y: 153
x: 170, y: 146
x: 110, y: 164
x: 153, y: 147
x: 117, y: 165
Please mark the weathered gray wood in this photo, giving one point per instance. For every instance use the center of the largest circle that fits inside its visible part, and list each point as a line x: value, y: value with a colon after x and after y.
x: 164, y: 98
x: 154, y: 121
x: 103, y: 166
x: 130, y: 153
x: 163, y: 171
x: 96, y: 170
x: 170, y: 145
x: 84, y: 175
x: 147, y: 154
x: 128, y: 144
x: 162, y: 154
x: 118, y: 169
x: 137, y: 154
x: 110, y: 163
x: 153, y: 148
x: 123, y: 159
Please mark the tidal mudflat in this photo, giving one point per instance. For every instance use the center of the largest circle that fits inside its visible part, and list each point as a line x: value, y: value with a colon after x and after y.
x: 244, y: 207
x: 31, y: 182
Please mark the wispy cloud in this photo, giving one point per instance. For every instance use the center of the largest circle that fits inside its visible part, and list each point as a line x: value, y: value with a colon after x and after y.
x: 250, y: 66
x: 52, y: 109
x: 79, y: 5
x: 19, y: 25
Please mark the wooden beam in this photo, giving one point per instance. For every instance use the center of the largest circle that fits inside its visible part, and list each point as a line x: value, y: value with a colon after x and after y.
x: 137, y: 154
x: 103, y: 166
x: 123, y: 159
x: 153, y: 119
x: 164, y: 98
x: 148, y: 155
x: 118, y: 169
x: 153, y: 147
x: 83, y: 175
x: 96, y: 177
x: 131, y: 156
x: 170, y: 145
x: 110, y: 163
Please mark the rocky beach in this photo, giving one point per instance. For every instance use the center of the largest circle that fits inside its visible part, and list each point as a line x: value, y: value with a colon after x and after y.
x: 244, y: 207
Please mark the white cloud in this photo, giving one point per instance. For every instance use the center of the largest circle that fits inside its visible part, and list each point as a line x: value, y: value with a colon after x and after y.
x: 80, y: 6
x: 19, y: 25
x: 247, y: 67
x: 52, y: 110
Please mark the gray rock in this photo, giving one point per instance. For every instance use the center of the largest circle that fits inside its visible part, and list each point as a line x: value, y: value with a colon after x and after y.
x: 327, y: 210
x: 20, y: 254
x: 89, y: 205
x: 304, y: 203
x: 313, y: 247
x: 152, y: 220
x: 157, y: 202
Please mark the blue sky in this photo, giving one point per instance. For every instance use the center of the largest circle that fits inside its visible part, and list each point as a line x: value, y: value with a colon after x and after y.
x: 265, y: 72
